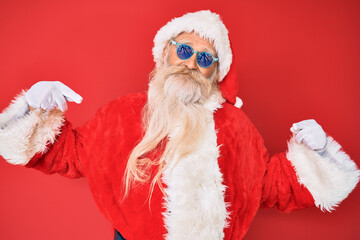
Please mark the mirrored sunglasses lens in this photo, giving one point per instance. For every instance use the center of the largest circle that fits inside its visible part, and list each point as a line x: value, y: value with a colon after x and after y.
x: 204, y: 59
x: 184, y: 51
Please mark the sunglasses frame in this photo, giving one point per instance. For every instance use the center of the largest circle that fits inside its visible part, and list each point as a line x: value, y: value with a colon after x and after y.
x: 214, y: 59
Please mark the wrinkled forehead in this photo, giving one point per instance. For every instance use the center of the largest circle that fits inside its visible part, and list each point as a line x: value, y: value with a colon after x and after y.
x: 196, y: 42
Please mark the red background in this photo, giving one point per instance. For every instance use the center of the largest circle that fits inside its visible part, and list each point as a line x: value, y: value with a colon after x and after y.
x: 295, y: 60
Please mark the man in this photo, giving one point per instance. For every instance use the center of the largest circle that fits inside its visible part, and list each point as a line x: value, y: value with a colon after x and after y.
x: 180, y: 161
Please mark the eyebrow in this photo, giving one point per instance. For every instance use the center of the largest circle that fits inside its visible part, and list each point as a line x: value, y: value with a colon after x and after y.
x: 203, y: 48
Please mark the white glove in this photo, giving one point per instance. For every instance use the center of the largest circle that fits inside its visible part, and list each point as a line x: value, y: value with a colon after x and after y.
x: 310, y: 133
x: 51, y: 94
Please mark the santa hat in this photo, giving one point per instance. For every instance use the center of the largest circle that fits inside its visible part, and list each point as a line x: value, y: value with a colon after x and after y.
x: 209, y: 26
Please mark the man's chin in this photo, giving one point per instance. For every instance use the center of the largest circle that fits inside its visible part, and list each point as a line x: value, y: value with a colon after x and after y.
x: 185, y: 98
x: 183, y: 90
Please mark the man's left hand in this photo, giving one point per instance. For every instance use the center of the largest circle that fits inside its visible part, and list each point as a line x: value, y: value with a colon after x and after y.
x: 310, y: 133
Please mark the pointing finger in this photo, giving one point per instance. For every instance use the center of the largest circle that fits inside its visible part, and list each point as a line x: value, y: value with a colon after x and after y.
x: 68, y: 93
x: 304, y: 124
x: 293, y: 130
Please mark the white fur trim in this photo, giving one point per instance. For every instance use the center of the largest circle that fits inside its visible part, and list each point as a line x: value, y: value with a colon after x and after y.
x: 22, y: 138
x: 207, y: 25
x: 195, y: 207
x: 214, y: 102
x: 238, y: 102
x: 330, y: 178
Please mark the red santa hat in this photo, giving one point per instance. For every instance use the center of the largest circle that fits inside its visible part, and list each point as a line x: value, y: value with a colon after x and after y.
x: 207, y: 25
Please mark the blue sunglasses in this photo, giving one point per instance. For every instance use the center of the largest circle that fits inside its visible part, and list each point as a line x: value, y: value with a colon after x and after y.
x: 185, y: 52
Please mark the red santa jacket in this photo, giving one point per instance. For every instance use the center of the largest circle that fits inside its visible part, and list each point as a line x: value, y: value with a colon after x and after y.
x: 236, y: 176
x: 100, y: 148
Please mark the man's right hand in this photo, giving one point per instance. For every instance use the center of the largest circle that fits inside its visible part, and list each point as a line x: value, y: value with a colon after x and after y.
x: 49, y: 95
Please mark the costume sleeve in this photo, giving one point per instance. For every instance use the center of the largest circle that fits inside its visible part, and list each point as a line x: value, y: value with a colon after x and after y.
x: 281, y: 188
x: 44, y: 140
x: 301, y: 177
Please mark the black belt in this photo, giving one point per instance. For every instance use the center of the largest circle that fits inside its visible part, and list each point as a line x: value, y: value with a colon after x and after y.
x: 118, y: 236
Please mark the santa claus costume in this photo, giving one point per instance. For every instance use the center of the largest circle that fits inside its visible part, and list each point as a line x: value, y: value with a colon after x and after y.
x: 213, y: 193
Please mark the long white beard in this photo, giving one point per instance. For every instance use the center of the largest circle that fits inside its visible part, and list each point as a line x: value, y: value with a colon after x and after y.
x: 177, y: 98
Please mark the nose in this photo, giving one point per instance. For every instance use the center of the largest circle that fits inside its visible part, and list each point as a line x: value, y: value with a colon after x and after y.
x: 191, y: 62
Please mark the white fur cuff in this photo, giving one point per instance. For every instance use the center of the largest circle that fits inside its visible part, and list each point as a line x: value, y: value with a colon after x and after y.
x: 22, y: 138
x: 330, y: 178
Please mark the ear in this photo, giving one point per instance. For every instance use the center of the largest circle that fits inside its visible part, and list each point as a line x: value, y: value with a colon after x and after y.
x: 165, y: 51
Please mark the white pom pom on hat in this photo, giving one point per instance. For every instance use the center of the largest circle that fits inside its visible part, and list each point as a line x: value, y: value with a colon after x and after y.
x: 207, y: 25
